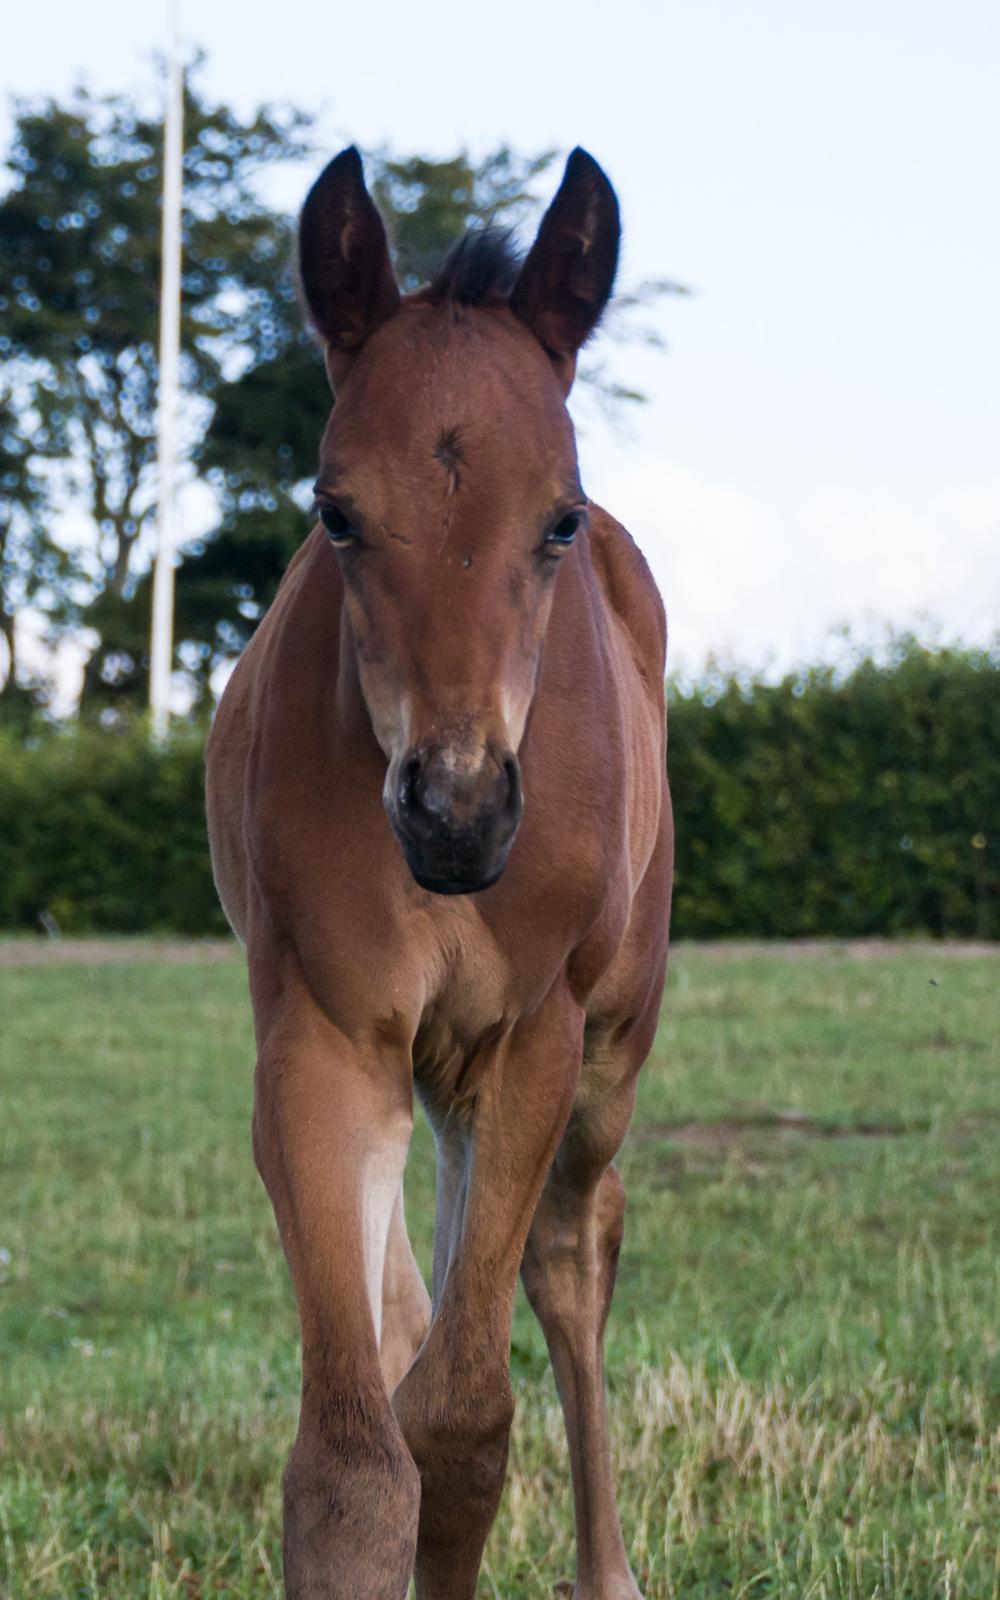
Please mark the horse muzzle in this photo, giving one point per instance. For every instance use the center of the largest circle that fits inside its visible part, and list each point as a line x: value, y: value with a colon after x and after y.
x: 455, y: 813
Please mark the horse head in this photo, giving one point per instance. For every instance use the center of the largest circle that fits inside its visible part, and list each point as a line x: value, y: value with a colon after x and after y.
x: 449, y: 489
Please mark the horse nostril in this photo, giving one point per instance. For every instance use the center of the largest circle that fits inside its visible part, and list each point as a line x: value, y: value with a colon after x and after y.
x: 409, y: 799
x: 513, y: 775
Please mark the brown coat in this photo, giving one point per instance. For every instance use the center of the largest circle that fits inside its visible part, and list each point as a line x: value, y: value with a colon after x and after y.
x: 440, y: 822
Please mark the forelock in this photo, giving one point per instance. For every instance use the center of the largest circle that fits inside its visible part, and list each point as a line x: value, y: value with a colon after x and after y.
x: 482, y: 267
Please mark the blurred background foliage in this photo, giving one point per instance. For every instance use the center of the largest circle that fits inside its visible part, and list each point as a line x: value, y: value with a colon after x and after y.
x: 855, y: 803
x: 851, y: 804
x: 844, y: 803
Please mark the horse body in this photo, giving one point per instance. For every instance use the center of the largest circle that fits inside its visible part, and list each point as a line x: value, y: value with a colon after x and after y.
x: 436, y: 681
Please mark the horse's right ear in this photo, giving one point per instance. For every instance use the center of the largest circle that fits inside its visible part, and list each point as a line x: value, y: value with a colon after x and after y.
x: 344, y: 265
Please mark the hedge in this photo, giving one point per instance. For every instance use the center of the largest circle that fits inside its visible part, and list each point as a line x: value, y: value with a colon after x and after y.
x: 101, y: 832
x: 867, y: 804
x: 844, y: 805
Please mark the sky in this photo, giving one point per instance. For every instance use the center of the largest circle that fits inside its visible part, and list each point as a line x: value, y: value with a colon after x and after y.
x: 821, y: 444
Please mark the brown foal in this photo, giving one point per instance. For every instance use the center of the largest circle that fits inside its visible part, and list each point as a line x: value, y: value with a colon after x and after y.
x: 440, y: 822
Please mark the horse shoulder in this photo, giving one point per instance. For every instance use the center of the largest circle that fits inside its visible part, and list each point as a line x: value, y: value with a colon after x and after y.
x: 228, y: 753
x: 631, y: 595
x: 639, y: 630
x: 630, y: 952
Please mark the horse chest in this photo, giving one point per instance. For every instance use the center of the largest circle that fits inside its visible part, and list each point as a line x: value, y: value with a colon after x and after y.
x: 466, y: 1008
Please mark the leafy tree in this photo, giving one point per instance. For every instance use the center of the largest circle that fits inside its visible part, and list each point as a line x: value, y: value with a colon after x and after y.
x: 32, y: 567
x: 79, y: 288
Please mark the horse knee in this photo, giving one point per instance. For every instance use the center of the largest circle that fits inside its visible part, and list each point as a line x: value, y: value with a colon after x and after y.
x: 456, y: 1421
x: 351, y: 1503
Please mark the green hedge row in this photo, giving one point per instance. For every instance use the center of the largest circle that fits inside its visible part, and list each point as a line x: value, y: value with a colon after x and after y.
x: 101, y: 832
x: 863, y: 804
x: 860, y: 804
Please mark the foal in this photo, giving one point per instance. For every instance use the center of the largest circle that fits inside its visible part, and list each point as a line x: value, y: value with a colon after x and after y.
x: 440, y: 822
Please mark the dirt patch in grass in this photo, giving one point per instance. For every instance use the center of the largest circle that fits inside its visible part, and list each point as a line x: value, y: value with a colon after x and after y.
x: 781, y: 1124
x: 28, y: 952
x: 846, y: 949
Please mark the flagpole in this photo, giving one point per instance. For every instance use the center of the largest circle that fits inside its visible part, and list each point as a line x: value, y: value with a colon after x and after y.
x: 162, y: 627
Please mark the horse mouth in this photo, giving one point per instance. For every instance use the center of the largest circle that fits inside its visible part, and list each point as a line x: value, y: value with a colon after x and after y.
x: 456, y: 863
x: 459, y: 861
x: 468, y: 885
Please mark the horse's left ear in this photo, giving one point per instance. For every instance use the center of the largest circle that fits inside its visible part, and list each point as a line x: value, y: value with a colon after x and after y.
x: 344, y: 265
x: 567, y: 278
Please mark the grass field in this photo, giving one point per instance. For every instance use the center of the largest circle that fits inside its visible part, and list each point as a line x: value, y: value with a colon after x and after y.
x: 804, y: 1354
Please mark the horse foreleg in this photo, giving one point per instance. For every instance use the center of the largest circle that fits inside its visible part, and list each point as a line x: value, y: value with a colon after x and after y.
x: 569, y: 1270
x: 331, y: 1128
x: 569, y: 1274
x: 455, y: 1403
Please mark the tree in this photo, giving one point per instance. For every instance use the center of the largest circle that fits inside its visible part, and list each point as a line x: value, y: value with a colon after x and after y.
x: 79, y: 284
x: 34, y: 571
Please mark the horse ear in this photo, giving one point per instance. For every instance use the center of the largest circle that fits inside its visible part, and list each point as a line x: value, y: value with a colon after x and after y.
x: 567, y: 278
x: 344, y: 265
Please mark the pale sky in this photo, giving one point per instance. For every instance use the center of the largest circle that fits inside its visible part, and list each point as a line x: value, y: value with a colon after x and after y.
x: 823, y: 440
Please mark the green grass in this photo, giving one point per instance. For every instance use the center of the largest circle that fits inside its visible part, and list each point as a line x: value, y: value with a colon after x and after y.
x: 804, y: 1354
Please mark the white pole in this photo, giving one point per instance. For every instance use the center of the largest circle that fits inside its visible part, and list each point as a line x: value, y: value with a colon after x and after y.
x: 162, y: 634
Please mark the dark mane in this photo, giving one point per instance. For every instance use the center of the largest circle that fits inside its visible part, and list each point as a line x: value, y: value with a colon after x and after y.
x: 482, y: 266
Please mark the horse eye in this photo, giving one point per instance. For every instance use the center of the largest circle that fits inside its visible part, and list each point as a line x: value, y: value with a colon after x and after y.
x: 565, y: 529
x: 340, y: 529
